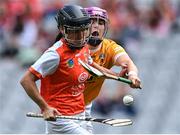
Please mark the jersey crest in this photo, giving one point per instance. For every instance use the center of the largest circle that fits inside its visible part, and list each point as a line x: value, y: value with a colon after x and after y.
x: 70, y: 63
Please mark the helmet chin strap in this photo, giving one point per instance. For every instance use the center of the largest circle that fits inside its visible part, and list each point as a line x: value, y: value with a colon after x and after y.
x: 74, y: 48
x: 93, y: 41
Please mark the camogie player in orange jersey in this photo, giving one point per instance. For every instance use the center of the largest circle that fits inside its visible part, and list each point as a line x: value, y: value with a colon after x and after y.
x: 106, y: 53
x: 62, y: 77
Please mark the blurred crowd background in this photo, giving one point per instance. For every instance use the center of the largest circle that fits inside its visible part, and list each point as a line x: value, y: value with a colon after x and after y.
x: 149, y: 30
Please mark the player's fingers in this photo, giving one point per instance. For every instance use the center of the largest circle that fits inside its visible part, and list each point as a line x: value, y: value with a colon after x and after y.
x: 50, y: 118
x: 135, y: 83
x: 49, y: 115
x: 138, y: 83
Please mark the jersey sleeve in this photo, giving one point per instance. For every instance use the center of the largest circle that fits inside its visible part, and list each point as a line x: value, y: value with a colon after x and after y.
x: 117, y: 51
x: 46, y: 64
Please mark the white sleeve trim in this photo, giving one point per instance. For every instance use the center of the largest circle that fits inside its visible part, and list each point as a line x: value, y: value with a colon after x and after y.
x: 47, y: 63
x: 119, y: 55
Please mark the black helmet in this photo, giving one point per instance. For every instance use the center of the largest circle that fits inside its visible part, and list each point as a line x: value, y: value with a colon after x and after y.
x: 75, y: 23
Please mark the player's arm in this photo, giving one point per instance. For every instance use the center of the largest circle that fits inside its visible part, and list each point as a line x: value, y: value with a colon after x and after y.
x: 45, y: 65
x: 125, y: 62
x: 29, y: 84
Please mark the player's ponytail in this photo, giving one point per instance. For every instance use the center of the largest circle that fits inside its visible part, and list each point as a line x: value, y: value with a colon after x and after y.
x: 58, y: 37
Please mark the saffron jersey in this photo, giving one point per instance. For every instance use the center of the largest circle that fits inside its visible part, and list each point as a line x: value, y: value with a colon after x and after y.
x: 62, y: 77
x: 106, y: 55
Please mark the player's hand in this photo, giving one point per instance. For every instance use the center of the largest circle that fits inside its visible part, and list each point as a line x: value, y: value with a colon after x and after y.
x: 50, y: 113
x: 136, y: 82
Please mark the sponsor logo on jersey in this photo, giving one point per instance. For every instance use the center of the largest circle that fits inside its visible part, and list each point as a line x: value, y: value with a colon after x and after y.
x: 70, y: 63
x: 76, y: 90
x: 83, y: 77
x: 101, y: 56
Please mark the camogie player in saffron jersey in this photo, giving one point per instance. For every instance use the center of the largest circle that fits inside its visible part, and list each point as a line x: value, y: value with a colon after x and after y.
x: 62, y: 77
x: 106, y: 53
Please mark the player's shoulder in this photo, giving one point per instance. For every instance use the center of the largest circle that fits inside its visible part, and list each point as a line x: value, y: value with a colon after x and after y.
x: 56, y: 45
x: 112, y: 47
x: 110, y: 43
x: 54, y: 49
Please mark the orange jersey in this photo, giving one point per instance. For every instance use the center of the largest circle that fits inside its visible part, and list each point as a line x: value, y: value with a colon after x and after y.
x: 62, y: 77
x: 105, y: 56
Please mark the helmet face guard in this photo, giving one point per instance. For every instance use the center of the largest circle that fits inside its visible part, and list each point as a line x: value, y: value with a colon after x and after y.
x: 75, y: 25
x: 77, y: 36
x: 100, y: 17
